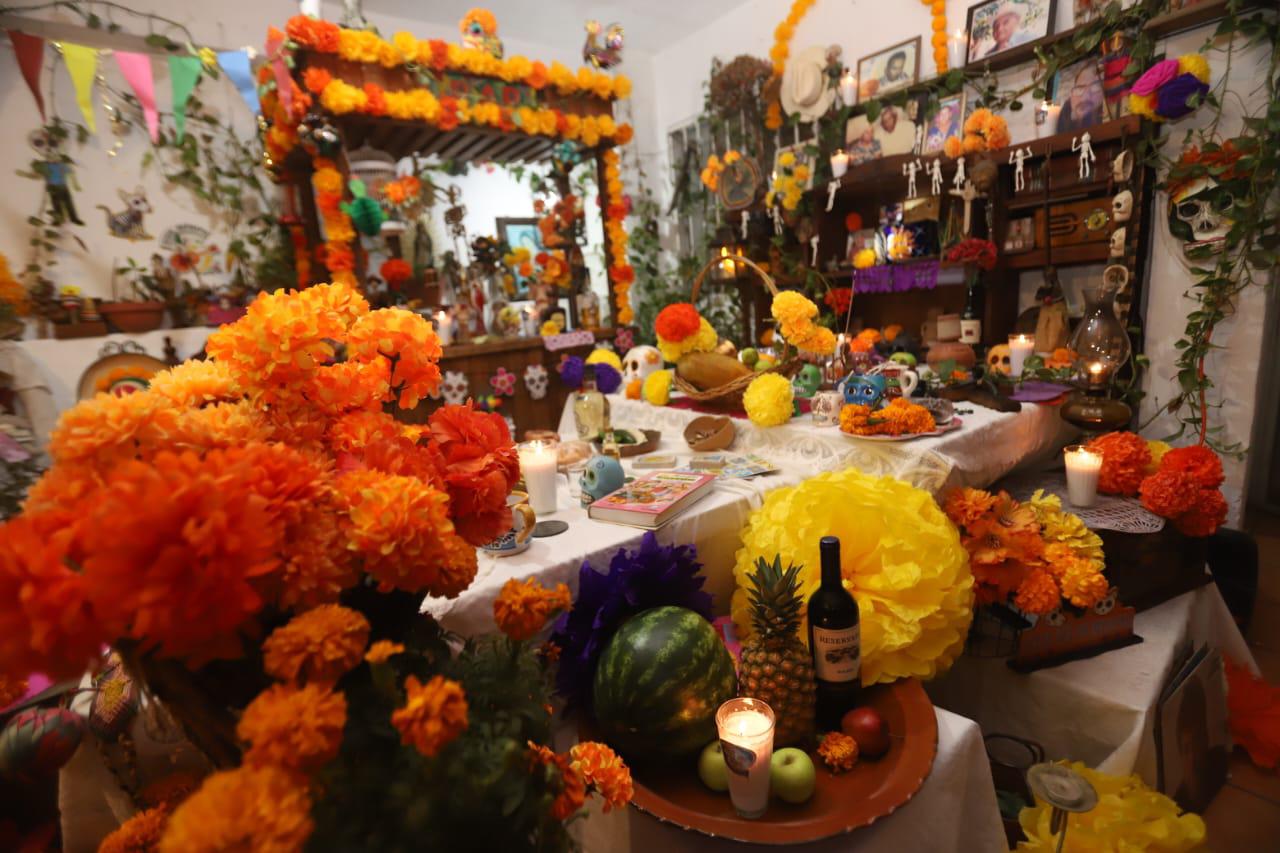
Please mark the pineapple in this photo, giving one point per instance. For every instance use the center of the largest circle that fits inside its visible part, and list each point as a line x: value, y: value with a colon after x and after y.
x: 776, y: 666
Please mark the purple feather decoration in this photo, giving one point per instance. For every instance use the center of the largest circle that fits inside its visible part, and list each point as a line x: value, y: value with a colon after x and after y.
x: 651, y: 576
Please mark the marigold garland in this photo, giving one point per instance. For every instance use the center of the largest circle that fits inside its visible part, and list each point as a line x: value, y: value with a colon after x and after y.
x: 938, y: 23
x: 779, y: 53
x: 620, y: 271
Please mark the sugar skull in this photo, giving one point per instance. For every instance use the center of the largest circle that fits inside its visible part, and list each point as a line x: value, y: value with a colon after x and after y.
x: 998, y: 360
x: 535, y: 379
x: 640, y: 362
x: 1198, y: 215
x: 455, y: 387
x: 1122, y: 206
x: 1118, y: 238
x: 807, y: 381
x: 602, y: 475
x: 865, y: 390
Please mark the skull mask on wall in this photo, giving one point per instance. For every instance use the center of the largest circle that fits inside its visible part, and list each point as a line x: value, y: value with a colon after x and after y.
x: 1198, y: 215
x: 1122, y: 206
x: 455, y: 387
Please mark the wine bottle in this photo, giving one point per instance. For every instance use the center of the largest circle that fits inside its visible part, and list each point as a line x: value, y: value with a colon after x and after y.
x: 971, y: 316
x: 835, y: 641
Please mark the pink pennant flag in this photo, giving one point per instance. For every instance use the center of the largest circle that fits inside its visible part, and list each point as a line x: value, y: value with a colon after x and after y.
x: 284, y: 83
x: 136, y: 68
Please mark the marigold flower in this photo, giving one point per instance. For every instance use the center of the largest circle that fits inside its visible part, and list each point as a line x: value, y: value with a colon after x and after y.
x: 677, y: 322
x: 1198, y: 461
x: 602, y: 770
x: 838, y: 751
x: 433, y: 715
x: 1169, y: 492
x: 571, y: 793
x: 314, y: 79
x: 1124, y: 462
x: 657, y: 387
x: 139, y: 834
x: 406, y: 338
x: 479, y: 466
x: 966, y: 506
x: 382, y: 651
x: 108, y: 429
x: 522, y: 608
x: 1083, y: 585
x: 1203, y: 519
x: 768, y: 399
x: 248, y: 808
x: 194, y: 383
x: 170, y: 790
x: 1038, y: 593
x: 316, y: 647
x: 297, y: 728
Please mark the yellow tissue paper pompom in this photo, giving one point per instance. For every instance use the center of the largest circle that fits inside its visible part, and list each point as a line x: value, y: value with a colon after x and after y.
x: 605, y: 356
x: 864, y: 258
x: 1129, y: 816
x: 900, y: 556
x: 1194, y: 64
x: 657, y: 387
x: 768, y: 399
x: 1143, y: 105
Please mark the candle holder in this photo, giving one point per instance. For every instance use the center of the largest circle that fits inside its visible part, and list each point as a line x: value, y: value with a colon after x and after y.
x: 848, y: 88
x: 746, y: 738
x: 1102, y: 348
x: 1020, y: 348
x: 538, y: 461
x: 839, y: 164
x: 1083, y: 467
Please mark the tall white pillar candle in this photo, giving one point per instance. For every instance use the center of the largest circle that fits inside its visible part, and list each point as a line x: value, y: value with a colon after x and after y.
x: 1083, y: 468
x: 538, y: 466
x: 1020, y: 346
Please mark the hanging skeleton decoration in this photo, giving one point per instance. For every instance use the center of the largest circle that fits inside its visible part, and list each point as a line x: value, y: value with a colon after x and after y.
x: 910, y: 170
x: 535, y: 379
x: 1084, y: 144
x: 1199, y: 216
x: 935, y: 177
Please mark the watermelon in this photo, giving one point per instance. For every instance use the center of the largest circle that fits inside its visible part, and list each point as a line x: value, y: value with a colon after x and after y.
x: 659, y: 683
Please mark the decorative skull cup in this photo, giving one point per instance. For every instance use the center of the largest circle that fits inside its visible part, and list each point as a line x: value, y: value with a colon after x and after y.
x: 807, y: 381
x: 535, y: 379
x: 454, y: 387
x: 1122, y: 206
x: 602, y: 475
x: 640, y: 362
x: 1199, y: 215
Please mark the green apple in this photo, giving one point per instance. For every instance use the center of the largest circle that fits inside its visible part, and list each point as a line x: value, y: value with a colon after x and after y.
x: 791, y: 775
x: 904, y: 358
x: 763, y: 363
x: 749, y: 356
x: 712, y: 770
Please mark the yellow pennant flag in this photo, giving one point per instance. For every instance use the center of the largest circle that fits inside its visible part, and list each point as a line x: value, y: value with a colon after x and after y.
x: 82, y: 65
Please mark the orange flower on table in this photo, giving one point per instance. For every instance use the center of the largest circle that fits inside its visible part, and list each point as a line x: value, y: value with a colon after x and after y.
x: 1062, y: 357
x: 433, y: 715
x: 522, y: 608
x: 248, y: 808
x: 382, y: 651
x: 1038, y: 593
x: 1124, y: 462
x: 480, y: 467
x: 316, y: 647
x: 572, y: 790
x: 1197, y: 461
x: 838, y: 751
x: 296, y: 728
x: 677, y: 321
x: 604, y: 772
x: 194, y: 383
x: 966, y: 506
x: 1169, y: 492
x: 139, y: 834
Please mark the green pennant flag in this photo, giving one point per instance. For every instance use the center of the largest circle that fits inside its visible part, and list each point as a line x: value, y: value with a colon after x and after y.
x: 184, y: 73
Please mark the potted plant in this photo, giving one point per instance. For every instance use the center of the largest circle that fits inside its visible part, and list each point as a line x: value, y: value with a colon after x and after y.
x: 142, y: 310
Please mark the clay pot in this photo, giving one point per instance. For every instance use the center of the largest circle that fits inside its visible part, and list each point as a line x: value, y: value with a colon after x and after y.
x: 962, y: 354
x: 133, y: 317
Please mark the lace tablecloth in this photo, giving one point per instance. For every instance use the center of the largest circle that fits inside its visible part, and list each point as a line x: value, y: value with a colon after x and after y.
x: 989, y: 445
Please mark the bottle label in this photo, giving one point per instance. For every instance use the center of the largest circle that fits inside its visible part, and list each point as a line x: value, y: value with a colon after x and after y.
x: 970, y: 331
x: 837, y: 655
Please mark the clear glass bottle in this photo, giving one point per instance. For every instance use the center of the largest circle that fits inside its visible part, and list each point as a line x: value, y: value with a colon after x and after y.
x: 590, y: 408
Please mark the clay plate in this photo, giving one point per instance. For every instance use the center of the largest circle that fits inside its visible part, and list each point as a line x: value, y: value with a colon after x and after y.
x: 650, y: 444
x: 842, y: 803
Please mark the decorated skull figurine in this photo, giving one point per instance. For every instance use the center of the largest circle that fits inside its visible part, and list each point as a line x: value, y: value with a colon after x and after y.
x: 640, y: 362
x: 998, y: 360
x: 865, y: 390
x: 1118, y: 238
x: 455, y: 387
x: 1122, y: 206
x: 1198, y: 215
x: 602, y: 475
x: 535, y: 379
x: 807, y: 382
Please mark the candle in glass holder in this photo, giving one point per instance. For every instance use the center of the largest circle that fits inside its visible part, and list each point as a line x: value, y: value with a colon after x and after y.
x: 1096, y: 374
x: 746, y: 738
x: 839, y: 164
x: 1083, y: 467
x: 848, y: 88
x: 957, y: 44
x: 444, y: 328
x: 1020, y: 346
x: 538, y: 466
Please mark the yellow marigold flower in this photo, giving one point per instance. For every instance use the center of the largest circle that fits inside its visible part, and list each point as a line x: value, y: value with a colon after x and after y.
x: 1059, y: 526
x: 248, y: 808
x: 657, y: 387
x: 139, y: 834
x: 602, y: 770
x: 838, y: 751
x: 792, y: 308
x: 406, y: 43
x: 802, y: 173
x: 194, y: 383
x: 318, y: 646
x: 705, y: 340
x: 523, y: 607
x: 382, y: 651
x: 433, y: 714
x: 622, y: 87
x: 768, y: 399
x: 1083, y: 585
x: 1038, y: 593
x: 297, y: 728
x: 787, y: 158
x: 818, y: 340
x: 864, y: 258
x: 1158, y: 450
x: 218, y: 425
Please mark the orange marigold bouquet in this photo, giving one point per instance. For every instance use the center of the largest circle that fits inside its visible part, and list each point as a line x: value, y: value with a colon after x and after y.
x: 1179, y: 483
x: 899, y: 417
x: 1032, y: 553
x: 254, y: 535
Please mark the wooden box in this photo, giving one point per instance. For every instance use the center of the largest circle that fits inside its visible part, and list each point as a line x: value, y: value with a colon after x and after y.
x: 1151, y: 568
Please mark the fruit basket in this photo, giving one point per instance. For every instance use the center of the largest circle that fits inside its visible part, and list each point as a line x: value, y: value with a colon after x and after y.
x: 730, y: 393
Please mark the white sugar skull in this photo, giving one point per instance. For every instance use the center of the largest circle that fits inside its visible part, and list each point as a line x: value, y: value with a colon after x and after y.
x: 1198, y: 214
x: 1118, y: 237
x: 535, y: 379
x: 640, y: 362
x: 455, y: 387
x: 1122, y: 206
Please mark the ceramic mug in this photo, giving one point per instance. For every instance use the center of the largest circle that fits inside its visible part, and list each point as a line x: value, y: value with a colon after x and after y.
x: 902, y: 380
x: 825, y: 408
x: 516, y: 538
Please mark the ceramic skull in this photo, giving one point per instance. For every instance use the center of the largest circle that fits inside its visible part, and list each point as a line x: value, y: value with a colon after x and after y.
x: 1118, y: 237
x: 1122, y: 206
x: 865, y: 390
x: 998, y: 359
x: 640, y: 362
x: 455, y: 387
x: 535, y: 379
x: 1198, y: 215
x: 602, y: 475
x: 807, y: 382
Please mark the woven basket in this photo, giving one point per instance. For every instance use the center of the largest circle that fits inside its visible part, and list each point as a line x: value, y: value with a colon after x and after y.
x: 730, y: 394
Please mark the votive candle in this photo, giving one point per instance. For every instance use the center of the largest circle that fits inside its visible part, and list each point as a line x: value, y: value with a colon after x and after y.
x: 848, y: 88
x: 746, y: 737
x: 1083, y: 468
x: 839, y: 164
x: 444, y: 328
x: 1020, y: 346
x: 538, y: 466
x: 957, y: 46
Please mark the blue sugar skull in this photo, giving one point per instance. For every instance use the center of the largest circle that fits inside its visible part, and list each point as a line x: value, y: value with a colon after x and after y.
x: 807, y: 381
x: 603, y: 475
x: 865, y: 390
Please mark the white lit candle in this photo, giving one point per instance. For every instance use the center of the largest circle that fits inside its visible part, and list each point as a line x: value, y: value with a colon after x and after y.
x: 1083, y: 467
x: 310, y: 8
x: 1049, y: 125
x: 538, y: 466
x: 444, y: 328
x: 1020, y: 346
x: 726, y: 263
x: 848, y: 88
x: 839, y: 164
x: 957, y: 44
x: 746, y: 737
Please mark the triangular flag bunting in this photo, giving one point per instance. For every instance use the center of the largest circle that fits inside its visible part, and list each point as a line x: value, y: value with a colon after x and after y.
x: 82, y: 65
x: 136, y: 68
x: 30, y: 52
x: 184, y: 73
x: 236, y: 64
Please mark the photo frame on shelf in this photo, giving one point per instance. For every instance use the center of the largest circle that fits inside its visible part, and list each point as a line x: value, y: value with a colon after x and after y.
x: 947, y: 121
x: 889, y: 70
x: 1020, y: 235
x: 517, y: 232
x: 860, y: 142
x: 1001, y: 25
x: 1079, y: 91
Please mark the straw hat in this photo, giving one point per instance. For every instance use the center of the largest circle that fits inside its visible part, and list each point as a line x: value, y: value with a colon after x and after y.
x: 805, y: 89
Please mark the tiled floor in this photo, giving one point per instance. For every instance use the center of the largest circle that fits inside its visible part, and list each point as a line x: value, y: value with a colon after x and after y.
x: 1245, y: 816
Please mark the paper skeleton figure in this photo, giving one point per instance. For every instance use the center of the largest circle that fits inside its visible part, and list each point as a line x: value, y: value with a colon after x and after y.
x: 1017, y: 159
x: 1084, y: 144
x: 935, y: 177
x: 813, y: 244
x: 535, y: 379
x: 503, y: 382
x: 831, y: 193
x: 455, y: 387
x: 127, y: 224
x: 59, y: 178
x: 910, y: 170
x: 959, y: 180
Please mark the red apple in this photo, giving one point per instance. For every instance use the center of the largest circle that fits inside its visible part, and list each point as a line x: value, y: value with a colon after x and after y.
x: 868, y: 728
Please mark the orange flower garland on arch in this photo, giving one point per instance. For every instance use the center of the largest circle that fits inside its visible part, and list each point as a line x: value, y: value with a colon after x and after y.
x: 778, y: 55
x: 621, y: 273
x: 938, y: 8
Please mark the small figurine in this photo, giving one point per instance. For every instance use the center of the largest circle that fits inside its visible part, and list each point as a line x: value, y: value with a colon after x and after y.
x: 1017, y: 158
x: 1084, y: 144
x: 918, y: 147
x: 610, y: 53
x: 127, y: 224
x: 831, y: 193
x: 910, y: 170
x: 865, y: 390
x: 959, y: 180
x: 935, y: 177
x: 807, y: 382
x: 602, y: 475
x: 54, y: 168
x: 480, y: 32
x: 813, y: 244
x: 777, y: 221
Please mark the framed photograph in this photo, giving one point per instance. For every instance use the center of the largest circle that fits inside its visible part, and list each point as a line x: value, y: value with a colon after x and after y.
x: 889, y: 70
x: 998, y: 25
x: 860, y: 142
x: 894, y: 131
x: 947, y: 121
x: 520, y: 232
x: 1021, y: 235
x: 1078, y: 89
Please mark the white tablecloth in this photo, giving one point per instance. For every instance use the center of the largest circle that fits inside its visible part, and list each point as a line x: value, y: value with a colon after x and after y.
x: 1100, y: 710
x: 989, y: 445
x: 953, y: 812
